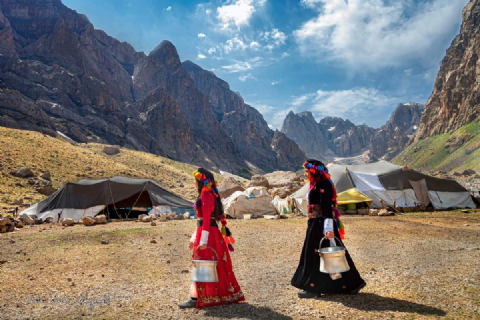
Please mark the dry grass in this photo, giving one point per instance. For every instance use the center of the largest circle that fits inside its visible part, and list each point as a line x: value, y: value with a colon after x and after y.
x: 417, y: 266
x: 69, y: 163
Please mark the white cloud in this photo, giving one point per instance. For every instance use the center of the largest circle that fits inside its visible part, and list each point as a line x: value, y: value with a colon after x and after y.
x: 169, y: 8
x: 373, y: 34
x: 212, y: 50
x: 251, y: 63
x: 201, y: 56
x: 208, y: 11
x: 234, y: 44
x: 359, y: 105
x: 246, y: 77
x: 254, y: 45
x: 237, y: 13
x: 202, y: 35
x: 274, y: 83
x: 274, y: 38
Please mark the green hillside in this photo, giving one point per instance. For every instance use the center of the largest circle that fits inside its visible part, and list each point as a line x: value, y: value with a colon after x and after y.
x: 447, y: 152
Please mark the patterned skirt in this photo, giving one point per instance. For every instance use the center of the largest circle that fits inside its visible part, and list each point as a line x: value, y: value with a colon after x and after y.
x: 226, y: 290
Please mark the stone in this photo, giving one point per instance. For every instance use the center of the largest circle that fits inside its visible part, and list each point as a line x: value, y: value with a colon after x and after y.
x: 46, y: 176
x: 27, y: 220
x: 147, y: 219
x: 153, y: 224
x: 89, y: 221
x: 281, y: 192
x: 4, y: 222
x: 467, y: 172
x: 258, y: 181
x: 18, y: 223
x: 228, y: 186
x: 104, y: 241
x: 38, y: 221
x: 24, y: 172
x: 111, y: 150
x: 186, y: 215
x: 101, y: 219
x: 141, y: 216
x: 48, y: 220
x: 47, y: 190
x: 67, y: 222
x: 383, y: 212
x: 17, y: 202
x: 153, y: 241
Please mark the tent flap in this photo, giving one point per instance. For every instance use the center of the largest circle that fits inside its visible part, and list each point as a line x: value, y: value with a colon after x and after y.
x: 352, y: 196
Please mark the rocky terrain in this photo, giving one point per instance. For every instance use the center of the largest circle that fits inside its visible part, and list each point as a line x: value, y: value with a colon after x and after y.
x: 59, y: 74
x: 448, y: 137
x: 134, y: 270
x: 258, y: 144
x: 390, y: 139
x: 456, y: 93
x: 334, y: 138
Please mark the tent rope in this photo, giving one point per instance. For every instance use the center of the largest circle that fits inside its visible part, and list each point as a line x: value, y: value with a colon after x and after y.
x: 138, y: 198
x: 113, y: 201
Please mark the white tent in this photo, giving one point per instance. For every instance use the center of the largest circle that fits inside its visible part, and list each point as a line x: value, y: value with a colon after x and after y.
x: 254, y: 200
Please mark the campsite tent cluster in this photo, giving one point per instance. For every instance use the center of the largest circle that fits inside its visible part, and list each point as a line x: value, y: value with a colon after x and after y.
x: 387, y: 185
x: 379, y: 185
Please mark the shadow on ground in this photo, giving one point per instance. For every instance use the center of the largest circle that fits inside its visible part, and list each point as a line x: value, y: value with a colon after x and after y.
x: 244, y: 310
x: 374, y: 302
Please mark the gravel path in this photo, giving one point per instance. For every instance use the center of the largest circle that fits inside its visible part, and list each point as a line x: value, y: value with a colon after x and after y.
x: 416, y: 266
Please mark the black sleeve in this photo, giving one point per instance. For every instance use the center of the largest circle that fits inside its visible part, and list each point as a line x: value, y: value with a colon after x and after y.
x: 326, y: 195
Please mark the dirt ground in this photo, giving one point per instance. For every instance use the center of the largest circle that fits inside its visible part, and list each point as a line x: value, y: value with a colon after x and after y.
x: 417, y: 266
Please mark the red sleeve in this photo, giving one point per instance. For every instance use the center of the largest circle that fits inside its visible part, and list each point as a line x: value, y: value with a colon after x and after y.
x: 208, y: 206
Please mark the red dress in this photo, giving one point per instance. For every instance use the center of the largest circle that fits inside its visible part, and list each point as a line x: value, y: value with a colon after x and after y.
x: 226, y: 290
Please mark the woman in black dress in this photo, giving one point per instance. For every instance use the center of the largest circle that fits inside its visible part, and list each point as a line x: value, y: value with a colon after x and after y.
x: 321, y: 215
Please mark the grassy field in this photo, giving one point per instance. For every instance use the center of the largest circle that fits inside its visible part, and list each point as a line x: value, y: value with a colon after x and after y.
x: 433, y: 154
x: 418, y: 266
x: 71, y: 163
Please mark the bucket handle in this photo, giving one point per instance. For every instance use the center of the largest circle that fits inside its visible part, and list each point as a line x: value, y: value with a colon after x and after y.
x: 193, y: 255
x: 320, y: 244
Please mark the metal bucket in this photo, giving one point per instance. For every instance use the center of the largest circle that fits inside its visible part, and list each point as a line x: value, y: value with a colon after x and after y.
x: 332, y: 259
x: 204, y: 270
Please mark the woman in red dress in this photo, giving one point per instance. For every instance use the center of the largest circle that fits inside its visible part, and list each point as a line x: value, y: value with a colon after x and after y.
x: 209, y: 210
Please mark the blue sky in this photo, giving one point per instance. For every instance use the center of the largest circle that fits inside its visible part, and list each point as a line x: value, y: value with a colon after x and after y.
x: 355, y: 59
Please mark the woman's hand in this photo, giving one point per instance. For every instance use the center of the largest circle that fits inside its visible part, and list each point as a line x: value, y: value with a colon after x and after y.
x: 190, y: 245
x: 203, y: 247
x: 329, y: 235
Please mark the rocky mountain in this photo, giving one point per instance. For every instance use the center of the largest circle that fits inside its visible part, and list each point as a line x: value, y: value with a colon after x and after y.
x: 456, y: 94
x: 258, y: 144
x: 307, y: 133
x: 391, y: 139
x: 58, y: 73
x: 334, y: 137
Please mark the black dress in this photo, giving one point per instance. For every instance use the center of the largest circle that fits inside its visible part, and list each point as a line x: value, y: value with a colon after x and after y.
x: 308, y: 276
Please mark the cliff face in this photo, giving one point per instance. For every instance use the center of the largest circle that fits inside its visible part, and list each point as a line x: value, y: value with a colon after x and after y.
x: 391, y: 139
x: 307, y: 133
x: 456, y: 94
x: 244, y: 124
x: 57, y: 73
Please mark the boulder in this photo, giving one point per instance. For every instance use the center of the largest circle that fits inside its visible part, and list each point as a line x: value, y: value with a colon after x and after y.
x: 228, y: 186
x: 258, y: 181
x: 153, y: 224
x: 46, y: 176
x: 111, y: 150
x: 4, y: 222
x: 67, y: 222
x: 47, y: 190
x: 18, y: 223
x: 279, y: 179
x: 24, y: 172
x: 140, y: 217
x: 89, y: 221
x: 146, y: 219
x: 27, y: 220
x: 281, y: 192
x: 101, y: 219
x: 467, y: 172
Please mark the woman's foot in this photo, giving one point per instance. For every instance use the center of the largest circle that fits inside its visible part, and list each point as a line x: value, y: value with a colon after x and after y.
x: 189, y: 304
x: 307, y: 295
x: 357, y: 290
